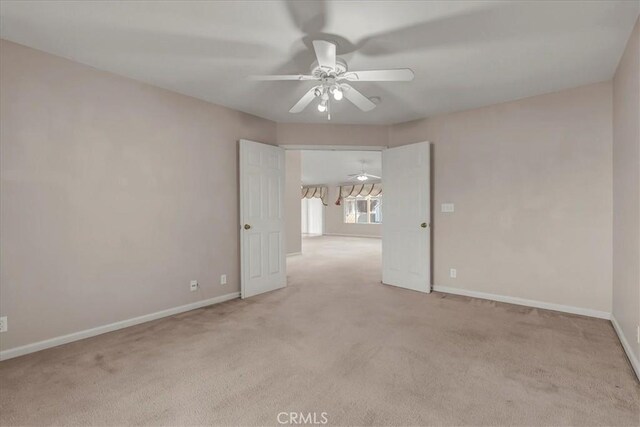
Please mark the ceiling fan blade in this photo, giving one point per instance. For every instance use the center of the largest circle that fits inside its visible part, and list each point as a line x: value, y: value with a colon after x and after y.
x: 372, y: 176
x: 304, y: 101
x: 284, y: 77
x: 397, y: 75
x: 309, y: 16
x: 326, y: 54
x: 452, y: 29
x: 360, y: 101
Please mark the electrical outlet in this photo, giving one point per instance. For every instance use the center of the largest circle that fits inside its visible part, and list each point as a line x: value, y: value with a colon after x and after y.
x: 447, y: 207
x: 453, y: 273
x: 3, y: 324
x: 223, y: 279
x: 194, y: 285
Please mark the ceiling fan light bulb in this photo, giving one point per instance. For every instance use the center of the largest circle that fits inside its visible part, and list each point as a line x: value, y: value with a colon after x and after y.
x: 337, y: 94
x: 322, y: 107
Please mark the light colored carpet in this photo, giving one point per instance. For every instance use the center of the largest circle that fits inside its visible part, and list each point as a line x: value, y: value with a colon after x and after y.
x: 334, y: 341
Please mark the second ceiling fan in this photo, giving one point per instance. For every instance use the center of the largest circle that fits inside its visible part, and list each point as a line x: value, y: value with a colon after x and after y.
x: 362, y: 175
x: 333, y: 76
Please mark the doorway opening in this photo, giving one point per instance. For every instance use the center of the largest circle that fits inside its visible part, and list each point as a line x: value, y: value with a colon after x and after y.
x: 340, y: 194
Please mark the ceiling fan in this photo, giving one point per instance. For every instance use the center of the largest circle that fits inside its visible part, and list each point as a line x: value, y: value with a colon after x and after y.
x: 333, y: 74
x: 362, y: 176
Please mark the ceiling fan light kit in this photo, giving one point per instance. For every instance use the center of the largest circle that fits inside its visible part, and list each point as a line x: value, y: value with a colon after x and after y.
x: 333, y: 73
x: 362, y: 175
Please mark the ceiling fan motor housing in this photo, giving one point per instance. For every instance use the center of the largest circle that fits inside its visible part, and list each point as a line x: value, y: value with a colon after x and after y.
x: 319, y: 72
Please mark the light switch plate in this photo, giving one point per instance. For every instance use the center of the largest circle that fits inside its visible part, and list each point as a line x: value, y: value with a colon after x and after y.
x: 453, y: 273
x: 3, y: 324
x: 193, y: 285
x: 447, y: 207
x: 223, y: 279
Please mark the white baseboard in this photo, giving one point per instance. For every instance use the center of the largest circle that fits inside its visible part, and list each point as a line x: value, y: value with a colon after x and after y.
x: 627, y: 347
x: 352, y: 235
x: 527, y: 302
x: 64, y: 339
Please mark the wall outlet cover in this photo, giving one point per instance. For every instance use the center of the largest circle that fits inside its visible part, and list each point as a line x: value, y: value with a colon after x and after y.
x: 447, y: 207
x: 193, y: 285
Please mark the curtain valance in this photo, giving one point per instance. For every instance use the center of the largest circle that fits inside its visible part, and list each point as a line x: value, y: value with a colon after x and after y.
x: 358, y: 190
x: 318, y: 191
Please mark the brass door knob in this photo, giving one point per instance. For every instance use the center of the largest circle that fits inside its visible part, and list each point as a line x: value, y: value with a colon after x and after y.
x: 424, y: 225
x: 247, y: 226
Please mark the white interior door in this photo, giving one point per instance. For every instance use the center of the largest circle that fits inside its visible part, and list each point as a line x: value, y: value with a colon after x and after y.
x: 262, y: 175
x: 406, y: 213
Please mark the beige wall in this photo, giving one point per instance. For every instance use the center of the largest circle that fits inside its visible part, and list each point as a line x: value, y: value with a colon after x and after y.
x: 293, y: 181
x: 626, y: 192
x: 332, y: 134
x: 531, y: 183
x: 114, y: 195
x: 334, y: 220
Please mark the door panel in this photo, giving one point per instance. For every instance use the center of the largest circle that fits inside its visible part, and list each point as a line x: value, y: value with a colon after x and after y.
x: 262, y: 175
x: 406, y: 245
x: 274, y: 251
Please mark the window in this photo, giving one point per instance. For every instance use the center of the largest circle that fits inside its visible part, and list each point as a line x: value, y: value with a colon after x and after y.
x: 363, y: 210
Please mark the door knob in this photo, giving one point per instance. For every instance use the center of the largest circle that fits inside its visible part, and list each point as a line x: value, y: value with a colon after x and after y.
x: 247, y: 226
x: 424, y: 225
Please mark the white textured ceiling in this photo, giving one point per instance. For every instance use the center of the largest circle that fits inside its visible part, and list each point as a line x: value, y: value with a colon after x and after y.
x: 465, y: 54
x: 334, y: 167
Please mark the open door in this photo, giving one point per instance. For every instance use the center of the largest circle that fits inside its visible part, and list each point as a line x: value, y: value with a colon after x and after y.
x: 406, y: 213
x: 262, y: 253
